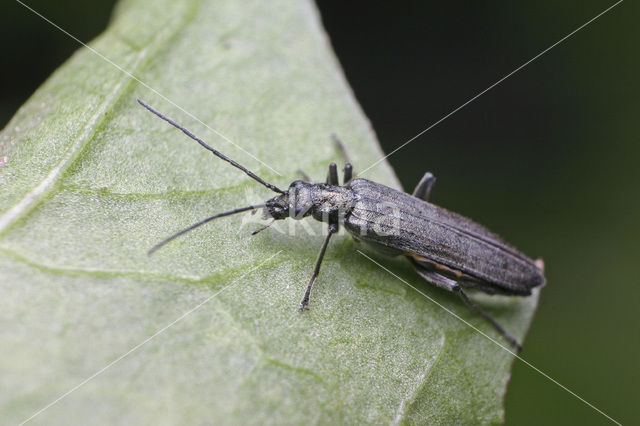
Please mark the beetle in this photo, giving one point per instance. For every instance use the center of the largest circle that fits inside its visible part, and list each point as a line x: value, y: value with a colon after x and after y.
x: 446, y: 249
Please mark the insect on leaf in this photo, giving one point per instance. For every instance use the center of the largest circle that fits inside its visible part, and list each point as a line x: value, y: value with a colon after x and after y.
x: 90, y: 181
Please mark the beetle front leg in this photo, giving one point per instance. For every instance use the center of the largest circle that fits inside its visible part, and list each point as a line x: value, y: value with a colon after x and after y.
x: 316, y: 269
x: 424, y: 187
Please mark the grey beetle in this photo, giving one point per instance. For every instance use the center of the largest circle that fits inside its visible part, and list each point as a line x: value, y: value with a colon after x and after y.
x: 446, y: 249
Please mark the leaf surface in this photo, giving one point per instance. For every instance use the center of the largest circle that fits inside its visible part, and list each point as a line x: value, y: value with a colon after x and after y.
x: 207, y: 330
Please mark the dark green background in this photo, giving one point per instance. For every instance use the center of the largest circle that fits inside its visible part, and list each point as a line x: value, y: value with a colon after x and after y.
x: 548, y: 158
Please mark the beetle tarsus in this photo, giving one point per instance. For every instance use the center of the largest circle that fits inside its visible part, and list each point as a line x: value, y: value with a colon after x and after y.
x: 489, y: 318
x: 304, y: 305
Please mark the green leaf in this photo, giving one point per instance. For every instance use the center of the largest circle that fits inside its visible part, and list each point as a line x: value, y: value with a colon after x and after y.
x: 207, y: 330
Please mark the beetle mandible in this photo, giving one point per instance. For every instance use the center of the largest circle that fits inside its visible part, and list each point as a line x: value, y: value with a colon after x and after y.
x: 446, y: 249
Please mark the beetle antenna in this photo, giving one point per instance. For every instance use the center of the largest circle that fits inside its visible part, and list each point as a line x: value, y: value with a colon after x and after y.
x: 202, y: 222
x: 213, y: 151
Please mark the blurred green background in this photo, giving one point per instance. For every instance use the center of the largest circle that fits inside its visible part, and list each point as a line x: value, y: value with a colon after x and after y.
x: 548, y: 158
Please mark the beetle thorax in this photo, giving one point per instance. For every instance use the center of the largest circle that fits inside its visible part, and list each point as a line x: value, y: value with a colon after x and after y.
x: 321, y: 201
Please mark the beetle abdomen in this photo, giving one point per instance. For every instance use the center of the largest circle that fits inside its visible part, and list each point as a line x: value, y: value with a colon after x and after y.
x: 397, y: 220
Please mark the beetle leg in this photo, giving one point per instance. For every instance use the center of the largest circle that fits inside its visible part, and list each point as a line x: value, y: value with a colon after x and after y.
x: 348, y: 167
x: 305, y: 177
x: 332, y: 177
x: 316, y: 269
x: 436, y: 279
x: 348, y: 173
x: 451, y: 285
x: 424, y: 187
x: 340, y: 147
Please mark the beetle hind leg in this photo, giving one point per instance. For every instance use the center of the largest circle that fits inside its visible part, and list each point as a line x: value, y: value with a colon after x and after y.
x: 489, y: 318
x: 451, y: 285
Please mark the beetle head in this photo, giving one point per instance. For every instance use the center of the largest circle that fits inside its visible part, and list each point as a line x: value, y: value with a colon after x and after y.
x: 296, y: 202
